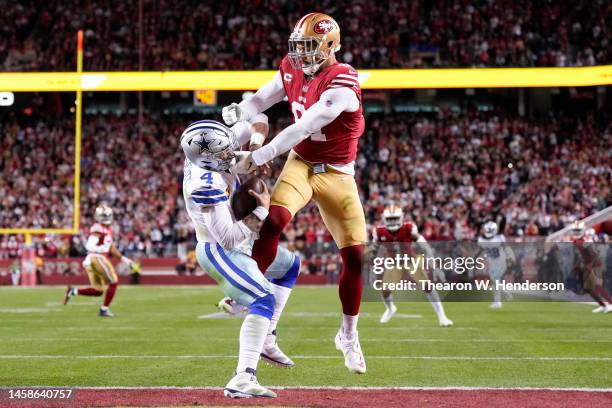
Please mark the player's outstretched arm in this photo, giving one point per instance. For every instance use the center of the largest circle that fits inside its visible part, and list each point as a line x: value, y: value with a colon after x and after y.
x: 268, y: 95
x: 329, y: 106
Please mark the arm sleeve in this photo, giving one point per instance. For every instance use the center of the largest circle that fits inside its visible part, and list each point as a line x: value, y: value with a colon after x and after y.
x: 421, y: 242
x: 270, y: 94
x: 220, y: 224
x: 330, y: 105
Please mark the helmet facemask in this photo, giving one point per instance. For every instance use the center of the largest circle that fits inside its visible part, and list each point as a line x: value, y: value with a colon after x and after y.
x: 393, y: 223
x: 306, y: 53
x: 104, y: 214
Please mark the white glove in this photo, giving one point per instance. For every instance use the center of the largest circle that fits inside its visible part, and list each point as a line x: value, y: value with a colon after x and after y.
x: 244, y: 163
x: 439, y: 275
x: 234, y: 113
x: 127, y: 260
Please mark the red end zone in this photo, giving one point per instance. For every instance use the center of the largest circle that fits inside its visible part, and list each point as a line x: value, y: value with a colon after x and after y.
x: 329, y: 398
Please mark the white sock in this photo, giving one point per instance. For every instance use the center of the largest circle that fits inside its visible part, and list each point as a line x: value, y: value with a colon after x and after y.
x: 252, y: 336
x: 434, y: 299
x: 349, y: 325
x: 497, y: 296
x: 281, y: 295
x: 388, y: 301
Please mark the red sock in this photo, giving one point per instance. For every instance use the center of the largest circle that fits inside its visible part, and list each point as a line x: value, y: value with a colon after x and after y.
x: 603, y: 293
x: 350, y: 280
x: 264, y: 249
x: 89, y: 292
x: 110, y: 294
x: 595, y: 295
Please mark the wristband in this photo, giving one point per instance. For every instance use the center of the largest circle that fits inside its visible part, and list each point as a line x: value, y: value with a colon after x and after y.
x: 257, y: 138
x: 261, y: 213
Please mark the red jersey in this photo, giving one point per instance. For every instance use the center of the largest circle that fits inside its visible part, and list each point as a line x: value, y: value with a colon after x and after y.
x: 406, y: 233
x: 337, y: 142
x: 105, y: 238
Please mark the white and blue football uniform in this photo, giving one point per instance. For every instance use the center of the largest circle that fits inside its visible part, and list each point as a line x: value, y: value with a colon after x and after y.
x: 495, y: 254
x: 224, y: 244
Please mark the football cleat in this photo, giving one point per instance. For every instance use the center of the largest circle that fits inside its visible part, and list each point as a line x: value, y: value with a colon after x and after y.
x: 445, y: 321
x: 245, y: 385
x: 106, y: 313
x: 353, y: 356
x: 70, y: 292
x: 496, y: 305
x: 229, y: 306
x: 608, y: 308
x: 599, y: 309
x: 388, y: 314
x: 273, y: 355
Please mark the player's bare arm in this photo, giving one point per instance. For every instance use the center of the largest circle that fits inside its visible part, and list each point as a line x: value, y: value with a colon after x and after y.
x: 263, y: 200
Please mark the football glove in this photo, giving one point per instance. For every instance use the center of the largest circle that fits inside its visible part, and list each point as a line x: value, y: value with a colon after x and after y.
x: 233, y: 113
x: 244, y: 163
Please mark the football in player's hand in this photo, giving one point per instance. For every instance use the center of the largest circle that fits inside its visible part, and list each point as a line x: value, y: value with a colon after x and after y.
x: 242, y: 202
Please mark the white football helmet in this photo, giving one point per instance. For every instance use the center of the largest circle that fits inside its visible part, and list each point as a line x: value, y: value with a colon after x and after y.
x: 489, y: 230
x: 578, y: 229
x: 209, y: 144
x: 393, y: 217
x: 104, y: 214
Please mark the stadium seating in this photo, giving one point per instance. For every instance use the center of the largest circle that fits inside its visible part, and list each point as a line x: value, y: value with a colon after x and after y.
x: 183, y: 35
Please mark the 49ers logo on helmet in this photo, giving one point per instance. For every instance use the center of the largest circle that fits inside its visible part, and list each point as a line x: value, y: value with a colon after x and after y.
x: 323, y: 26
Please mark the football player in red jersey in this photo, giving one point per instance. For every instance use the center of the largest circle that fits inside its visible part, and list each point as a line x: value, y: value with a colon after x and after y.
x: 395, y: 230
x: 325, y: 98
x: 587, y: 267
x: 99, y: 269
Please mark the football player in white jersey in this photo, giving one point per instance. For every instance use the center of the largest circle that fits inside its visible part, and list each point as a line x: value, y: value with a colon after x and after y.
x: 224, y: 246
x: 99, y: 269
x: 497, y: 255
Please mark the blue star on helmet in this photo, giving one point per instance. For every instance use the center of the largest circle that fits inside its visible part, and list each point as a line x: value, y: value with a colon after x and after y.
x: 204, y: 143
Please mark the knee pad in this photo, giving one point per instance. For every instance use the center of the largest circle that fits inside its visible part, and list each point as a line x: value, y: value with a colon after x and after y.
x: 263, y: 306
x: 290, y: 277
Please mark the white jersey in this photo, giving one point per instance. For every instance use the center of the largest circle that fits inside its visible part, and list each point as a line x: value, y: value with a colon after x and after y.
x: 494, y: 249
x: 208, y: 195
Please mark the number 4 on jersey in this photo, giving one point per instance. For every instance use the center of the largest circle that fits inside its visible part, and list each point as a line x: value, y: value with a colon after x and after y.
x: 207, y: 177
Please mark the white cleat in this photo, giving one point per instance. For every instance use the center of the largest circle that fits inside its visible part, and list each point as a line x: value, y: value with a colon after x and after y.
x: 496, y: 305
x: 608, y: 308
x: 229, y: 306
x: 388, y: 314
x: 245, y: 385
x: 600, y: 309
x: 445, y: 321
x: 353, y: 356
x: 273, y: 355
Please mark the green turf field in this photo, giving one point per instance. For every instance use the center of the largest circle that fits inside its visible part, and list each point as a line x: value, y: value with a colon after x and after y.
x: 158, y: 340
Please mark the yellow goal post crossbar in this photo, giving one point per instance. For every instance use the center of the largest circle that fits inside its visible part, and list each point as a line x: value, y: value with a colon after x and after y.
x: 247, y: 80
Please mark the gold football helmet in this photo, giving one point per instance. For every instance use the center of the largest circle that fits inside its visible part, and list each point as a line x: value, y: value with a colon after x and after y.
x: 313, y: 40
x: 104, y: 214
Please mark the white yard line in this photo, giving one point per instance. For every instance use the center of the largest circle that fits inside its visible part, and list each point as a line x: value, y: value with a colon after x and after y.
x: 331, y: 388
x: 335, y: 357
x: 316, y: 340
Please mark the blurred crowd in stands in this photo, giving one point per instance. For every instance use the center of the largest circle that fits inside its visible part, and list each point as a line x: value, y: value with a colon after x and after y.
x: 191, y: 35
x: 449, y: 171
